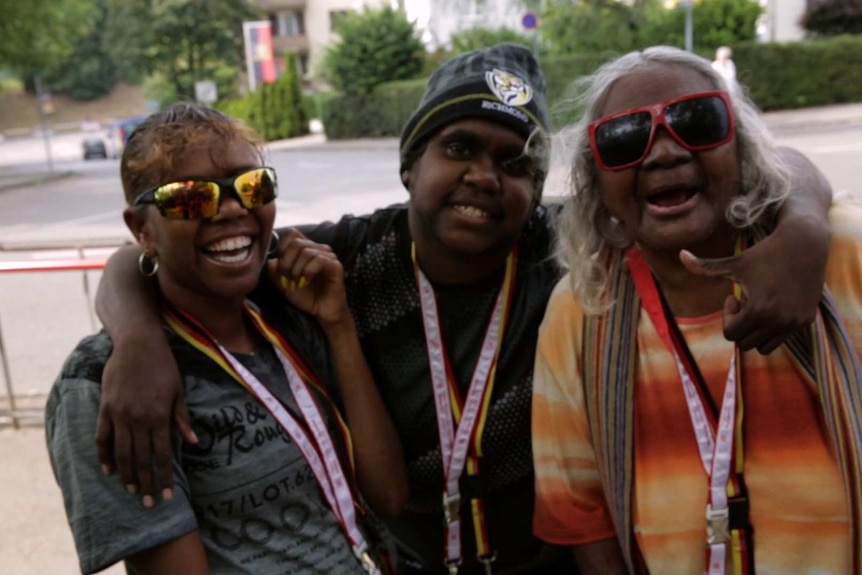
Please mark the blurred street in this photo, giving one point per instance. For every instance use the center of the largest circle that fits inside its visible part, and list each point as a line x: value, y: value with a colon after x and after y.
x: 44, y: 314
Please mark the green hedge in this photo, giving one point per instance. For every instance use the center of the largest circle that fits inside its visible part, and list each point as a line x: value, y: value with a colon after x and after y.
x: 778, y: 76
x: 802, y: 74
x: 381, y: 113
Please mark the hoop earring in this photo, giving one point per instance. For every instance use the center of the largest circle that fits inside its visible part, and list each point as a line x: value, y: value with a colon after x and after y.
x: 143, y: 261
x: 272, y: 251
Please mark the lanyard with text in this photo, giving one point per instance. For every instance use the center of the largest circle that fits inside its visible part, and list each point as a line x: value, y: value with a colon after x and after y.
x: 463, y: 447
x: 315, y: 444
x: 719, y: 442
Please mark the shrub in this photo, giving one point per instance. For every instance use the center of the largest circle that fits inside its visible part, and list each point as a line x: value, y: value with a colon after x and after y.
x: 376, y: 46
x: 778, y: 76
x: 474, y: 38
x: 276, y: 110
x: 381, y: 113
x: 833, y: 17
x: 800, y: 74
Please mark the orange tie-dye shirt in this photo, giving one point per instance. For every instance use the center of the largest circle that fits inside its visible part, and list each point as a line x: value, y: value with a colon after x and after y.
x: 798, y: 506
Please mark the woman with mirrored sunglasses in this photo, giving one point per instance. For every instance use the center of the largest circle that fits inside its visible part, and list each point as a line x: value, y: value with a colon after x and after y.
x: 474, y: 219
x: 660, y: 446
x: 278, y: 479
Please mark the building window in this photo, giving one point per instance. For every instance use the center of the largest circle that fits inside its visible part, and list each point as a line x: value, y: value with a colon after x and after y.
x: 288, y: 23
x: 335, y: 19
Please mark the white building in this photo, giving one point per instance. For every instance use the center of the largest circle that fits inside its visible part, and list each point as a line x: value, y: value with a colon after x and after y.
x: 305, y: 27
x: 780, y: 22
x: 439, y: 20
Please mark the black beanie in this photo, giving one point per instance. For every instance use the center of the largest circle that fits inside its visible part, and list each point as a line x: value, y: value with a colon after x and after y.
x: 503, y: 84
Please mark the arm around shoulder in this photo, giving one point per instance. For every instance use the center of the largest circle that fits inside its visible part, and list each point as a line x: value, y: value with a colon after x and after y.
x: 141, y: 385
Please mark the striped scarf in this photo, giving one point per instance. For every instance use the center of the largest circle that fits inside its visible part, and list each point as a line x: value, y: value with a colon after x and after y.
x: 824, y: 353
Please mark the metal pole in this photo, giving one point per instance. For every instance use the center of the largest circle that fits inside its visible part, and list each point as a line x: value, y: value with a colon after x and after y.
x: 46, y: 136
x: 13, y: 409
x: 90, y: 312
x: 689, y: 25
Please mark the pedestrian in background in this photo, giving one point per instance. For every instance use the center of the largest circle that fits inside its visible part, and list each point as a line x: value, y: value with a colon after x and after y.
x: 723, y: 64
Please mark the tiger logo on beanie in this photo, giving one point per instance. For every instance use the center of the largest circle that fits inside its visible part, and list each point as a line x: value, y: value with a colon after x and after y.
x: 511, y: 89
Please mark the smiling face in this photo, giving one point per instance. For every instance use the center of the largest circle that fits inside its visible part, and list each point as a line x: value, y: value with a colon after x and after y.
x: 471, y: 191
x: 218, y: 258
x: 675, y: 198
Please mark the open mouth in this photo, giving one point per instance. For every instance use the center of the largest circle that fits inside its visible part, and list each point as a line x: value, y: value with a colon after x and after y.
x: 671, y: 198
x: 230, y: 250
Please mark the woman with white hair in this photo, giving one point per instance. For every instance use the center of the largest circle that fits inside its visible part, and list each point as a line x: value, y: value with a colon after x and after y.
x: 723, y: 64
x: 659, y: 446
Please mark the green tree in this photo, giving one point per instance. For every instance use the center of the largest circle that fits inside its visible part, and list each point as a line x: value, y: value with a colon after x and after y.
x: 37, y: 33
x: 90, y: 70
x: 592, y: 26
x: 276, y: 109
x: 191, y: 40
x: 833, y: 17
x: 474, y: 38
x: 599, y: 26
x: 375, y: 46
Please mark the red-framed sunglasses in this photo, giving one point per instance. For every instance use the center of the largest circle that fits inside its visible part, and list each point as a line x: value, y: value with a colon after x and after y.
x: 697, y: 122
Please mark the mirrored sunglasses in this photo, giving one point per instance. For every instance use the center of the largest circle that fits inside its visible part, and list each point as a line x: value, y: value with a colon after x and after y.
x: 698, y: 122
x: 200, y: 198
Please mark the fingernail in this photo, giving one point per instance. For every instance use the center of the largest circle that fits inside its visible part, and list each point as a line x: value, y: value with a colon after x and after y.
x: 284, y: 283
x: 194, y: 437
x: 106, y: 469
x: 302, y: 282
x: 132, y: 488
x: 149, y: 501
x: 167, y: 494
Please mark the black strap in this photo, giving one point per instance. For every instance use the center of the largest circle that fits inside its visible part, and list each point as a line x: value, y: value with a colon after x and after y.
x: 676, y: 334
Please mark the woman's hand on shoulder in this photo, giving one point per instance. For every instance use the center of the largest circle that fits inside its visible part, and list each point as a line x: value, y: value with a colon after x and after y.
x: 311, y: 278
x: 782, y: 278
x: 142, y: 395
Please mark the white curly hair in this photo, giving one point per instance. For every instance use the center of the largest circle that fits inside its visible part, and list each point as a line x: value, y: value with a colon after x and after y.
x: 586, y: 231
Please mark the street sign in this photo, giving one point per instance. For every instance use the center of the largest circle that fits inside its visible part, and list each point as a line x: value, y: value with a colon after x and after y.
x: 206, y: 92
x: 529, y: 21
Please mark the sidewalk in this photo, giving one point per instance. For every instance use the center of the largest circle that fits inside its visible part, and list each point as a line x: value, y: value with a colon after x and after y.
x: 819, y: 117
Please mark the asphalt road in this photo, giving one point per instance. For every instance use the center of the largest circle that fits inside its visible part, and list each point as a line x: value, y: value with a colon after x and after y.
x: 44, y: 314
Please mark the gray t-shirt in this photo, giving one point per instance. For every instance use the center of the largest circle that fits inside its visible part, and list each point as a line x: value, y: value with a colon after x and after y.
x: 244, y: 486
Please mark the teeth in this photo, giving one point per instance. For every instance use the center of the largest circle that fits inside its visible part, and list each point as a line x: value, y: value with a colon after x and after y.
x: 473, y: 211
x: 230, y: 244
x: 226, y: 259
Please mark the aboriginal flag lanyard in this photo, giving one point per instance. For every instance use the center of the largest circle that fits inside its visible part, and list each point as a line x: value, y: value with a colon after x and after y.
x: 312, y: 438
x: 728, y: 530
x: 460, y: 423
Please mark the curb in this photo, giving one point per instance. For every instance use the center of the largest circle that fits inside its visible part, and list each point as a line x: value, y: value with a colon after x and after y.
x: 25, y: 181
x: 318, y: 142
x: 803, y: 124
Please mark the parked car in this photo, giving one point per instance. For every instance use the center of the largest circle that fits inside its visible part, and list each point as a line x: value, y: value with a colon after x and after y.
x: 94, y: 148
x: 118, y: 134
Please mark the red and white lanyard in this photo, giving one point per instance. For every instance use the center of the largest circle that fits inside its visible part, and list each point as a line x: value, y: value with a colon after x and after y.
x: 455, y: 444
x: 318, y: 450
x: 716, y: 450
